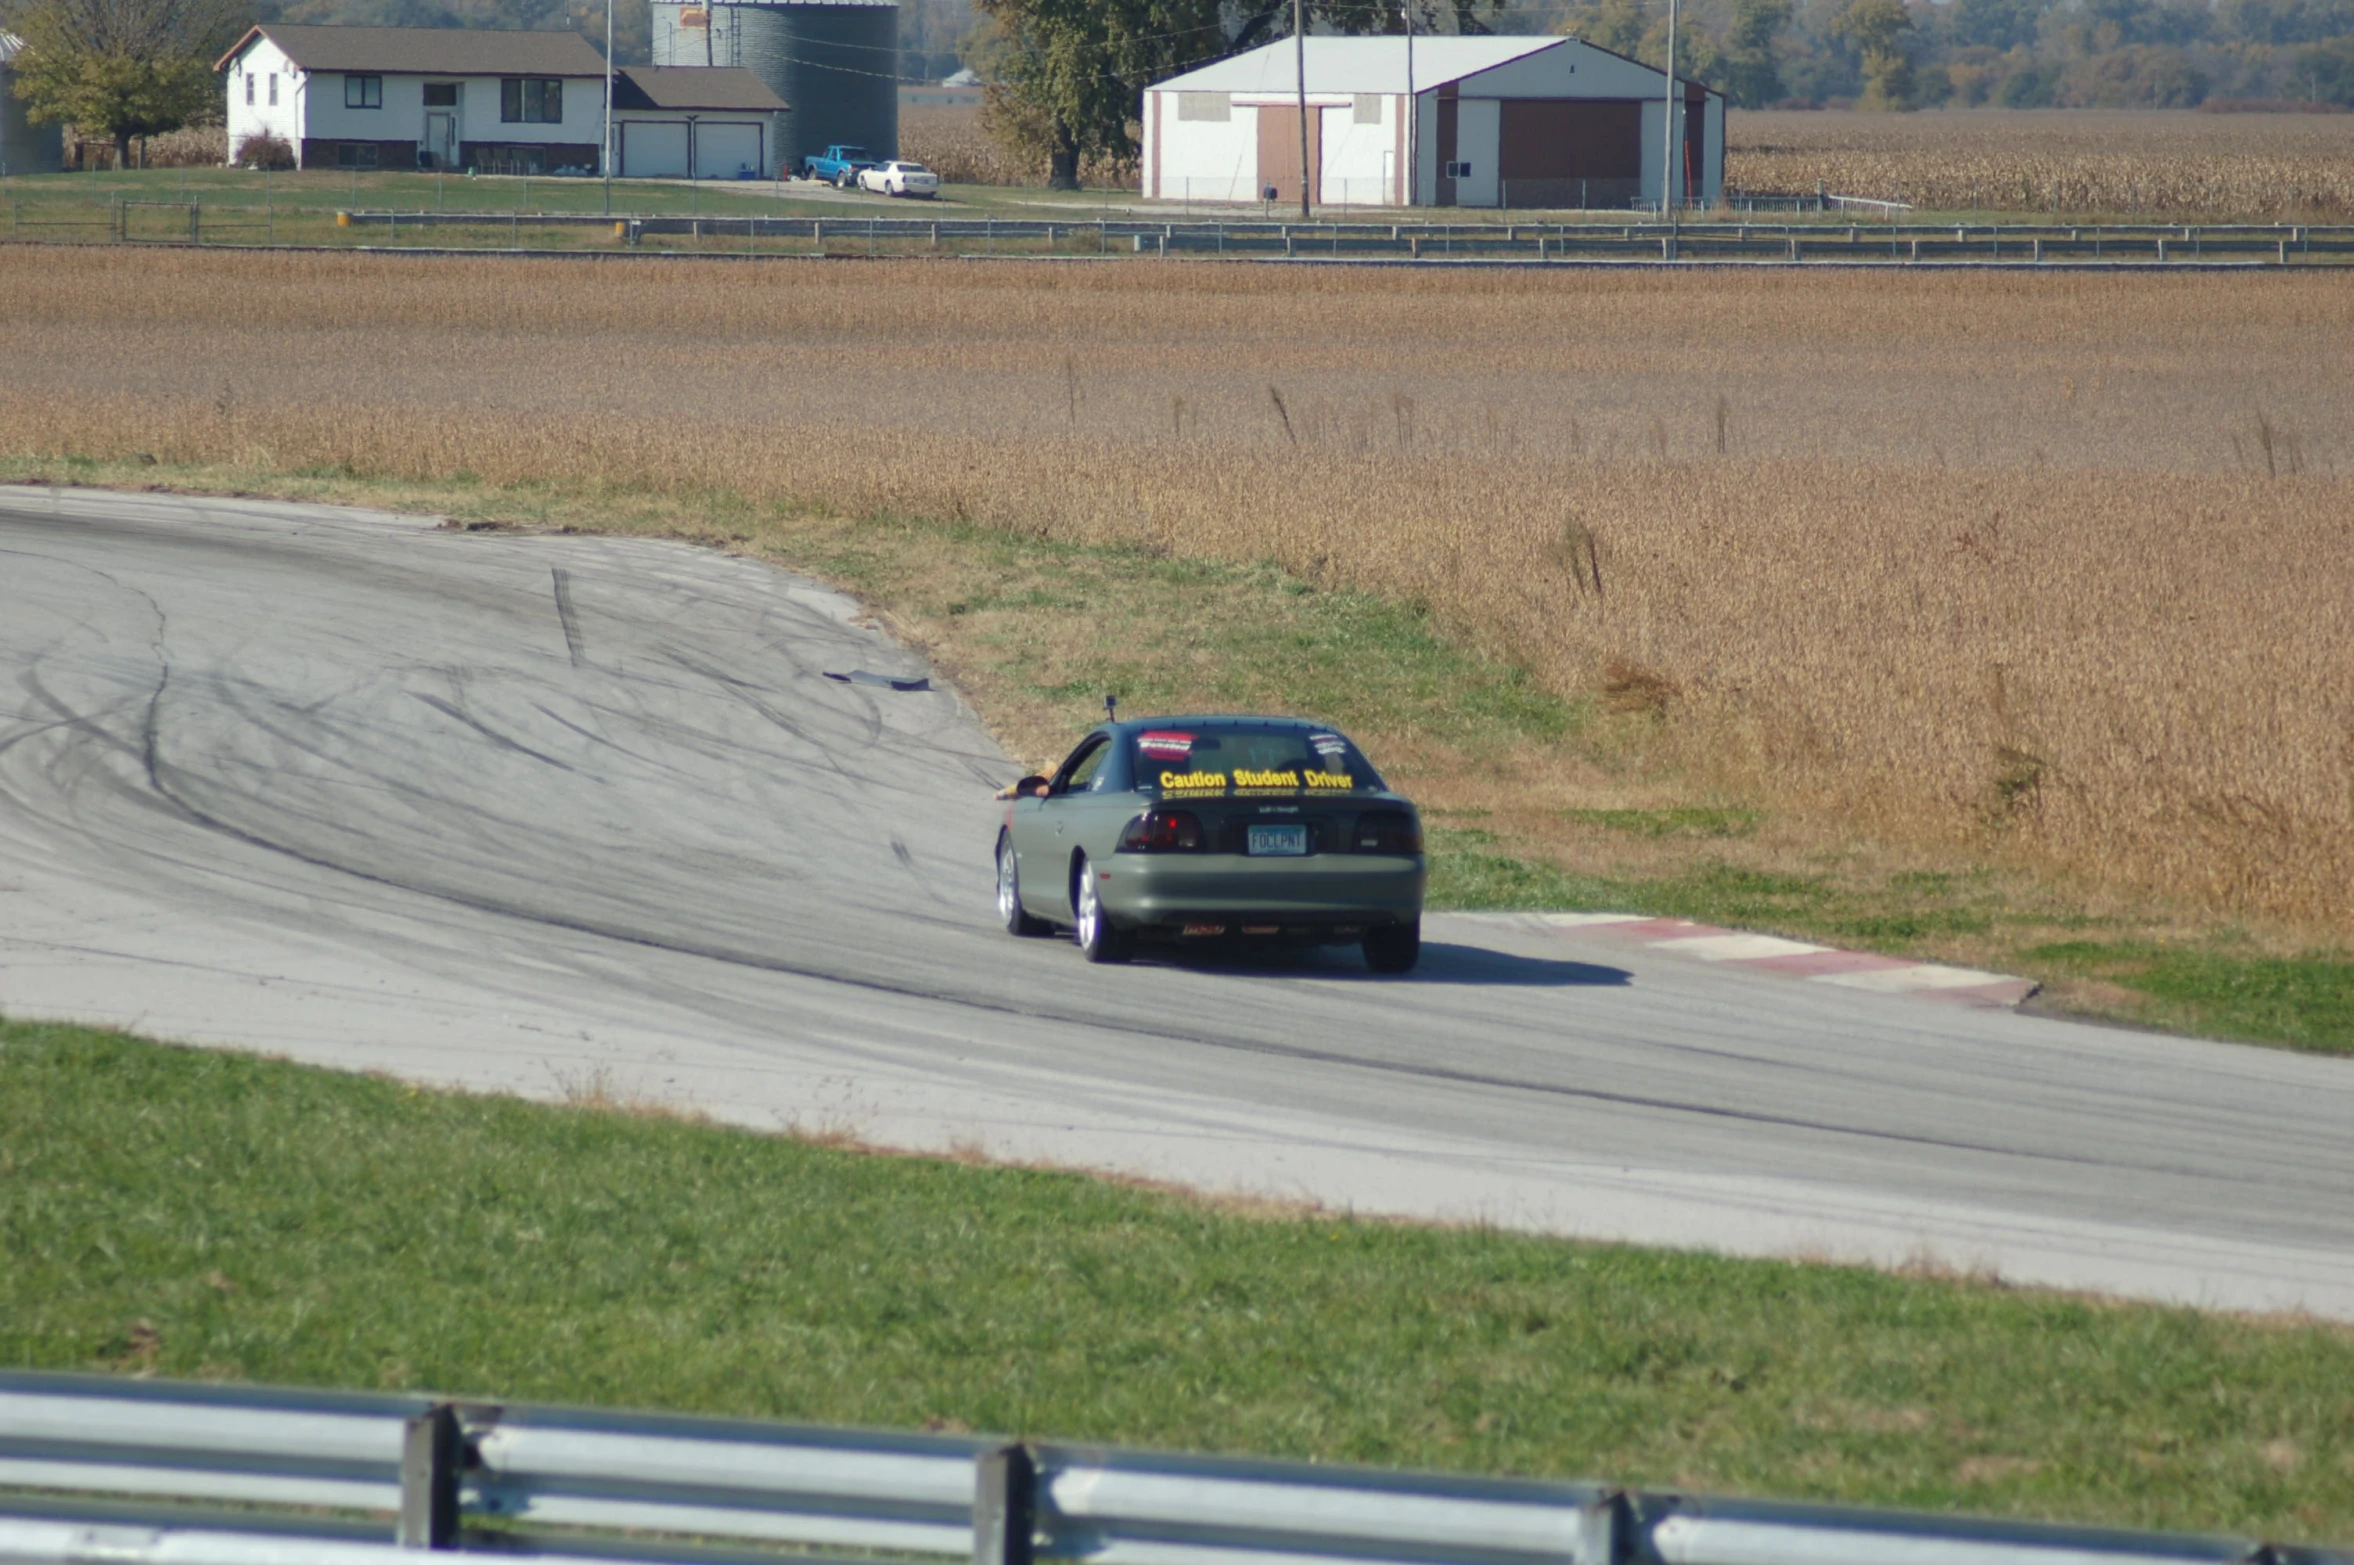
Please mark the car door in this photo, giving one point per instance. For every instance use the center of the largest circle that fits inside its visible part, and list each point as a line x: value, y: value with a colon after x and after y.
x: 1042, y: 829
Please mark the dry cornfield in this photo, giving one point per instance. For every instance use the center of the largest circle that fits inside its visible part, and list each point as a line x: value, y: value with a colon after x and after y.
x: 2059, y: 567
x: 2066, y: 162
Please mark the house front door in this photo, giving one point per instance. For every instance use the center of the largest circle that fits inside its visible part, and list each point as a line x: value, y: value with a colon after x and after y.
x: 441, y: 137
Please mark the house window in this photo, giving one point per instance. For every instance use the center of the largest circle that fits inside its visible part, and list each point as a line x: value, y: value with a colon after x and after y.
x: 355, y: 154
x: 441, y: 95
x: 531, y: 100
x: 1368, y: 109
x: 273, y: 89
x: 249, y: 89
x: 1204, y: 106
x: 363, y: 92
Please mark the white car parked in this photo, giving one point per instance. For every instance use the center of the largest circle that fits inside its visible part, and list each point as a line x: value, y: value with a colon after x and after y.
x: 900, y: 179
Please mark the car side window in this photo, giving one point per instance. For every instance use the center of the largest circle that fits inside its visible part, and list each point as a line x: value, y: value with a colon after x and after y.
x: 1078, y: 774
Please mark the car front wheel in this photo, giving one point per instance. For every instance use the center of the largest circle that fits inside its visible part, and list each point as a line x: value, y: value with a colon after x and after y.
x: 1098, y: 940
x: 1394, y: 948
x: 1009, y: 893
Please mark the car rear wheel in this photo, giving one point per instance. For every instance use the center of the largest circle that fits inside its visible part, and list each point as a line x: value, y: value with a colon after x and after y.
x: 1394, y: 948
x: 1009, y: 893
x: 1098, y: 940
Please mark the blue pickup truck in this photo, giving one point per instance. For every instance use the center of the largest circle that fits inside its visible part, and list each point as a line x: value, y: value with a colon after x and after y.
x: 838, y: 165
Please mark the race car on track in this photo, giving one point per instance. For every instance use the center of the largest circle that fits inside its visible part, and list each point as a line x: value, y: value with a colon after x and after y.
x: 1193, y: 831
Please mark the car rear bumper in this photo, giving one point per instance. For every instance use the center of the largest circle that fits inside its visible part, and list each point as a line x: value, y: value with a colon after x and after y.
x: 1295, y: 896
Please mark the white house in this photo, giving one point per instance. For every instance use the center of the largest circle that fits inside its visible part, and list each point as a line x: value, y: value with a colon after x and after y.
x: 419, y: 97
x: 1520, y: 122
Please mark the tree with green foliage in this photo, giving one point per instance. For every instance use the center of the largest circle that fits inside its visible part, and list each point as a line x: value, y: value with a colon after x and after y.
x: 2324, y: 73
x: 1880, y: 31
x: 1616, y: 25
x: 122, y: 68
x: 1747, y: 70
x: 1067, y: 77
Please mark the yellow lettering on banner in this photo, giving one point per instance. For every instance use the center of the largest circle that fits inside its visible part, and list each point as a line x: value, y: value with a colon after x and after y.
x: 1184, y: 780
x: 1243, y: 779
x: 1331, y: 780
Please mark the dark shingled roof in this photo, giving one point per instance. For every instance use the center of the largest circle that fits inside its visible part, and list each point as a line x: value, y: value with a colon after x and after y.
x: 692, y: 87
x: 438, y: 51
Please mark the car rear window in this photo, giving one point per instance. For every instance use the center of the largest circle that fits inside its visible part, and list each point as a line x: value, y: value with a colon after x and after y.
x: 1208, y: 759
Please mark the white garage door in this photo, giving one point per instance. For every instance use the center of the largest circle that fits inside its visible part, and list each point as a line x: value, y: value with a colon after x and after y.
x: 654, y: 149
x: 724, y: 151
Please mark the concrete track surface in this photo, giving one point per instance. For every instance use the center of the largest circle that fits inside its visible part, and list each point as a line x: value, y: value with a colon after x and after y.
x: 548, y: 815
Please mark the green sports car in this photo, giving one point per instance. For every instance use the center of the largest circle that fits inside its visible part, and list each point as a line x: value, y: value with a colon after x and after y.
x: 1193, y: 831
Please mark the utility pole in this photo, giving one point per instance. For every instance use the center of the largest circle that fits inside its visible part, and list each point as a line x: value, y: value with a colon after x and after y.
x: 1413, y: 110
x: 1667, y: 181
x: 607, y: 159
x: 1299, y: 39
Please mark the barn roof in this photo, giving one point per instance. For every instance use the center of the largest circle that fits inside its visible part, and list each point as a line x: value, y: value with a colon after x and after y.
x: 1357, y: 64
x: 692, y: 87
x: 1338, y: 65
x: 438, y: 51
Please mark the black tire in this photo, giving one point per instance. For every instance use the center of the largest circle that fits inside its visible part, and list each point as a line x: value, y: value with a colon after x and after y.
x: 1098, y: 940
x: 1394, y: 948
x: 1009, y: 894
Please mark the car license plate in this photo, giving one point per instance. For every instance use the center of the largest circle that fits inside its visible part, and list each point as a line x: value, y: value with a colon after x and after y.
x: 1292, y: 840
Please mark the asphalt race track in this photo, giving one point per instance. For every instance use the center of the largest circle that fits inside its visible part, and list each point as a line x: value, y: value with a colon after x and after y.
x: 549, y: 815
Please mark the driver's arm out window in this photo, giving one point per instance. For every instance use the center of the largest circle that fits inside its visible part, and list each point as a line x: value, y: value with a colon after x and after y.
x: 1079, y: 772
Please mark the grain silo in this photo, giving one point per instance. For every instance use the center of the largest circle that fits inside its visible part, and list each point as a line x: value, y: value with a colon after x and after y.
x: 834, y: 62
x: 25, y: 148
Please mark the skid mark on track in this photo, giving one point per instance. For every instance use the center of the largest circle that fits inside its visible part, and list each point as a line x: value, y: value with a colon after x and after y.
x: 565, y: 613
x: 452, y: 709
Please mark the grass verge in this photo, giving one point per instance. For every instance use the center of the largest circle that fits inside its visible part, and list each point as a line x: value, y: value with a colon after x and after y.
x: 194, y: 1213
x: 1534, y: 801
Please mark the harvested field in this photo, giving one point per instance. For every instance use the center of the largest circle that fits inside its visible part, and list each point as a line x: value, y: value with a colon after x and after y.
x: 2056, y: 569
x: 2180, y: 165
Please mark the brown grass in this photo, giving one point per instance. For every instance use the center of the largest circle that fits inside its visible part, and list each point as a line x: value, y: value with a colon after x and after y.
x: 2068, y: 162
x: 2053, y: 568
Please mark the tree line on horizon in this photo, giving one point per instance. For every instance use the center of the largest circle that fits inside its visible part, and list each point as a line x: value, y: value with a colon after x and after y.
x: 1065, y: 77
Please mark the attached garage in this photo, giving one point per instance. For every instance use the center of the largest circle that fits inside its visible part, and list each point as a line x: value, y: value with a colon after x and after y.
x: 1458, y: 121
x: 695, y: 121
x: 653, y: 149
x: 728, y: 151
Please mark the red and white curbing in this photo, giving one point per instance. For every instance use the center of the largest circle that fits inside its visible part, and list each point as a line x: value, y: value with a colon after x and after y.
x: 1796, y: 958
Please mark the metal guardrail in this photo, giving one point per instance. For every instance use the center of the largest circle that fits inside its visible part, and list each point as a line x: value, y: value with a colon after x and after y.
x: 1634, y: 238
x: 1645, y: 238
x: 258, y: 1476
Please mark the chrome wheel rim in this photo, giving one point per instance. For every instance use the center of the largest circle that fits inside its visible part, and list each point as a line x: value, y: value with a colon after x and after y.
x: 1090, y: 911
x: 1008, y: 897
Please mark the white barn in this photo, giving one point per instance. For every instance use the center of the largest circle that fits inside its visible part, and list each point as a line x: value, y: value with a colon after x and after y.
x: 1519, y: 122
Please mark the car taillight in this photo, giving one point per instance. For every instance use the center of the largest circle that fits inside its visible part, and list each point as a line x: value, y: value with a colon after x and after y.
x: 1162, y: 831
x: 1388, y: 831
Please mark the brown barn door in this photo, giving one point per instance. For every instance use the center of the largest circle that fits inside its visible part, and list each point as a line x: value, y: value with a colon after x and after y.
x: 1695, y: 142
x: 1571, y: 152
x: 1279, y: 152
